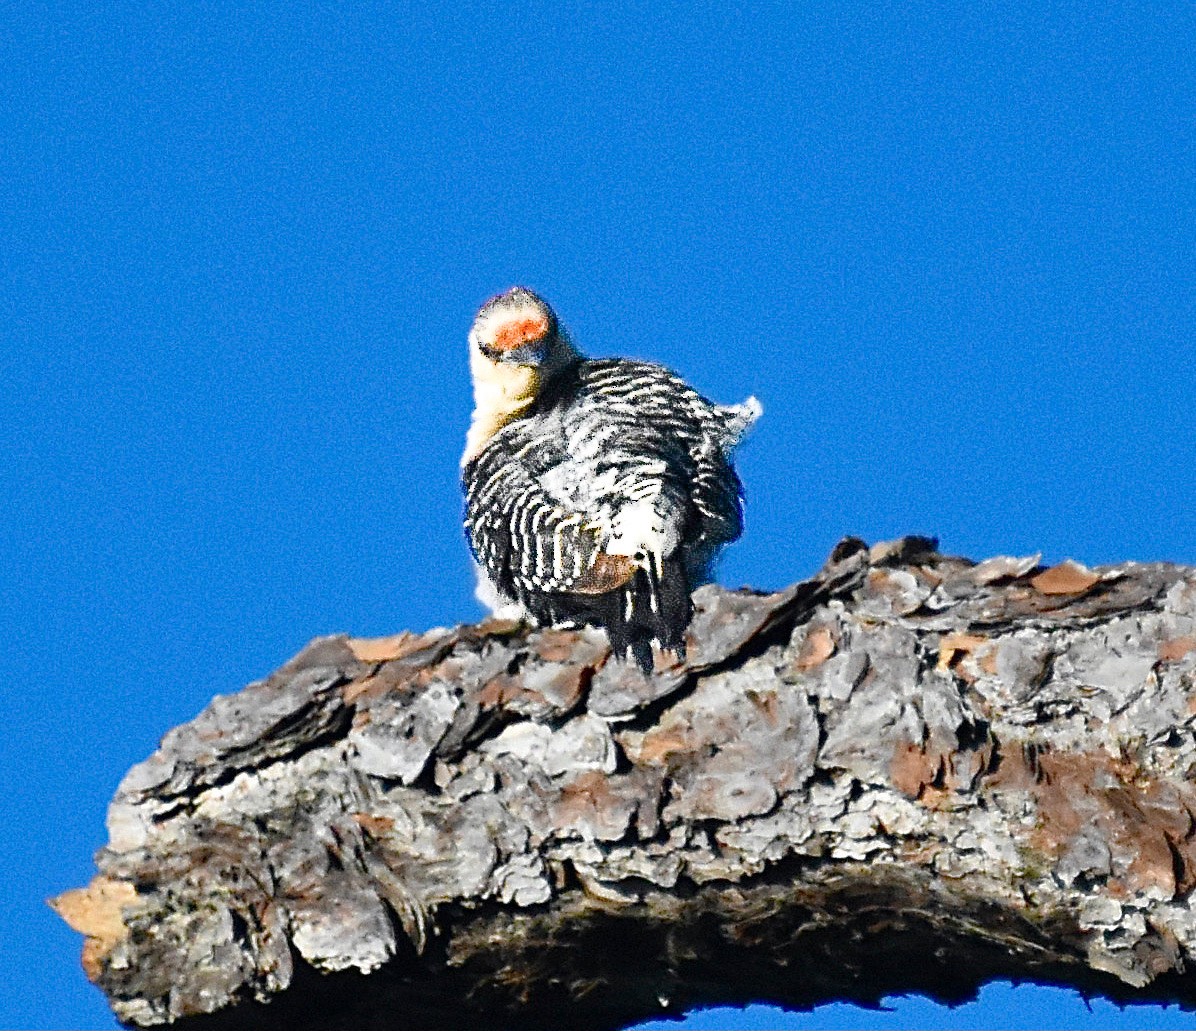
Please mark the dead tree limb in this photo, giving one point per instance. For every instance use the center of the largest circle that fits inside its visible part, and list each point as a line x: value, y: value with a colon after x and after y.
x: 910, y: 773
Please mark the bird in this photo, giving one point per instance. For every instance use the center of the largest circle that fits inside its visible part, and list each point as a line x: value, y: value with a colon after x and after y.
x: 598, y: 492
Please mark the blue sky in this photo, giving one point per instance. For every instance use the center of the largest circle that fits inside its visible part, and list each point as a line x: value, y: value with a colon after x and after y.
x: 950, y: 247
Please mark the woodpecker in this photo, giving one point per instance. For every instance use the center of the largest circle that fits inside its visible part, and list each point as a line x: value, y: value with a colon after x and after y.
x: 597, y: 491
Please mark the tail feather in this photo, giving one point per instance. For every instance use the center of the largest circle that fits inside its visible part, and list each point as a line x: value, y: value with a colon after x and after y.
x: 649, y: 609
x: 737, y: 420
x: 652, y: 610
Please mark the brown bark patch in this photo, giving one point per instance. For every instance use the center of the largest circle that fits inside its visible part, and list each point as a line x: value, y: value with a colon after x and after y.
x: 767, y: 705
x: 556, y: 645
x: 1019, y: 768
x: 1148, y: 827
x: 1067, y: 577
x: 501, y: 690
x: 494, y: 626
x: 97, y: 911
x: 931, y: 771
x: 594, y: 806
x: 658, y: 745
x: 913, y: 769
x: 386, y: 649
x: 374, y: 826
x: 954, y: 648
x: 818, y: 646
x: 1176, y: 649
x: 383, y: 681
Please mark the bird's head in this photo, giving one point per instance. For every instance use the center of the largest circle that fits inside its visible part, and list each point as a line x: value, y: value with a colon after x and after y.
x: 516, y: 347
x: 518, y: 328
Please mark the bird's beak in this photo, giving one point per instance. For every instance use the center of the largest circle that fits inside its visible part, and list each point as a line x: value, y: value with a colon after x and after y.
x: 532, y: 353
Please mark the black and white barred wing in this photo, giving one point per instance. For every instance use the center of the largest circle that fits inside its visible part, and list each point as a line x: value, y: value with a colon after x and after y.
x: 525, y: 539
x: 645, y: 430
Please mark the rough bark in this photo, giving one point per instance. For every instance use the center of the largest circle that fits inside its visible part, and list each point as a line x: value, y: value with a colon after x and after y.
x: 911, y: 772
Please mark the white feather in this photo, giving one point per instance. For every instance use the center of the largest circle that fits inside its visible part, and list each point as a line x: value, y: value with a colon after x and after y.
x: 500, y: 606
x: 640, y: 531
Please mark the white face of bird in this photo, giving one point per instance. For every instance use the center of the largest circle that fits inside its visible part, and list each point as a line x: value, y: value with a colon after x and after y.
x: 514, y: 344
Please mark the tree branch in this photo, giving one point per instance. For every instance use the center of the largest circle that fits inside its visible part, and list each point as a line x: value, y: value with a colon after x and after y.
x: 910, y: 773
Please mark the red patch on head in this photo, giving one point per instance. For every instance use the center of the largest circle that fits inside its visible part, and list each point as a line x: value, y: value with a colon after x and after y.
x: 514, y: 334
